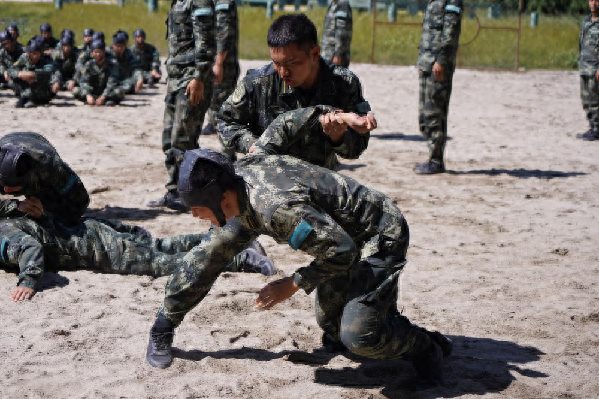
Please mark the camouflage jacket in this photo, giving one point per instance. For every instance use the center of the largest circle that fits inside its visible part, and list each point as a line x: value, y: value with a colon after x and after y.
x: 45, y: 70
x: 126, y: 64
x: 227, y: 29
x: 588, y: 46
x: 147, y: 58
x: 337, y: 32
x: 50, y: 179
x: 99, y: 80
x: 325, y: 214
x: 7, y: 59
x: 66, y: 65
x: 191, y: 42
x: 262, y: 96
x: 440, y: 34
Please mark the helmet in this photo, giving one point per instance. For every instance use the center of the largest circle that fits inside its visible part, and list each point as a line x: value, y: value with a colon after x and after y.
x: 14, y: 164
x: 139, y: 32
x: 203, y: 178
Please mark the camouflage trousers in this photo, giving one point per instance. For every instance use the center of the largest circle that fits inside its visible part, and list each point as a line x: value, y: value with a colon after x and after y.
x: 39, y: 93
x: 182, y: 125
x: 148, y: 78
x: 433, y: 107
x: 128, y: 85
x: 589, y: 94
x: 223, y: 90
x: 115, y: 95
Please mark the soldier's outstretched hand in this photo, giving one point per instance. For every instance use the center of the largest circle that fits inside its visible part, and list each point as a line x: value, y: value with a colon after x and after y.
x: 21, y: 293
x: 361, y: 124
x: 195, y: 91
x: 332, y: 126
x: 276, y: 292
x: 31, y: 206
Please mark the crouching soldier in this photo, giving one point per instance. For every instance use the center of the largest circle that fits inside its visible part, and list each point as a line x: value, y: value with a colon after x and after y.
x: 36, y: 80
x: 357, y: 236
x: 98, y: 82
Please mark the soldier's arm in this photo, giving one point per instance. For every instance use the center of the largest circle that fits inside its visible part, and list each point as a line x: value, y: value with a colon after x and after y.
x: 82, y: 75
x: 234, y: 119
x: 21, y: 249
x: 452, y: 21
x: 113, y: 80
x: 316, y: 233
x: 202, y: 14
x: 225, y: 24
x: 155, y: 59
x: 17, y: 67
x: 343, y: 28
x: 288, y: 128
x: 71, y: 199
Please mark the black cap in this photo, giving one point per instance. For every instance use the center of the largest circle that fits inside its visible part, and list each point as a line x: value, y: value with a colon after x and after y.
x: 34, y: 44
x: 13, y: 26
x: 5, y: 35
x: 139, y: 32
x: 119, y: 38
x: 14, y: 165
x: 98, y: 44
x: 67, y: 41
x: 67, y: 32
x: 45, y: 27
x: 88, y: 32
x: 98, y: 36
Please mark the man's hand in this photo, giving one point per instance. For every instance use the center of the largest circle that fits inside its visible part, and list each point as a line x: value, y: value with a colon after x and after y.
x: 438, y: 72
x: 55, y: 87
x: 27, y: 76
x: 252, y: 149
x: 156, y: 74
x: 361, y: 124
x: 21, y: 293
x: 276, y: 292
x: 336, y: 60
x: 31, y: 206
x: 195, y: 91
x: 139, y: 85
x: 101, y: 100
x: 332, y: 127
x: 218, y: 71
x: 90, y: 100
x: 71, y: 85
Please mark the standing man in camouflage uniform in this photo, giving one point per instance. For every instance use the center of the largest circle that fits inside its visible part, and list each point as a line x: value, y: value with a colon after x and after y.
x: 190, y: 34
x: 31, y: 167
x: 436, y: 64
x: 588, y: 66
x: 357, y: 236
x: 297, y: 77
x: 65, y: 58
x: 99, y: 79
x: 130, y: 76
x: 226, y: 64
x: 36, y: 81
x: 10, y: 52
x: 337, y: 33
x: 146, y: 57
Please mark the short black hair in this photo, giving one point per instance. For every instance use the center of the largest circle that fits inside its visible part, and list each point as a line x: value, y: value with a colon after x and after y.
x: 292, y: 29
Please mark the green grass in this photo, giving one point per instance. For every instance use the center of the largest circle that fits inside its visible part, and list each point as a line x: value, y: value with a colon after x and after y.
x: 552, y: 45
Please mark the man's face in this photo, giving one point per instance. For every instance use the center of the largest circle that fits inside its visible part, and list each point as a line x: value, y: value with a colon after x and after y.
x: 34, y: 56
x: 294, y: 64
x: 140, y: 40
x: 204, y: 213
x: 98, y: 55
x: 13, y: 33
x: 118, y: 49
x: 66, y: 49
x: 6, y: 44
x: 87, y: 39
x: 46, y: 35
x: 594, y: 7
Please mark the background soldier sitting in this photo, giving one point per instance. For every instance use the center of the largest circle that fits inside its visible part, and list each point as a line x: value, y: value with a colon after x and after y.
x: 147, y: 58
x: 9, y: 54
x: 129, y: 74
x: 65, y: 59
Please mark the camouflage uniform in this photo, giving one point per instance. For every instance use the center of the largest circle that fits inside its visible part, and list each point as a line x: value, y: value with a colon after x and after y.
x: 439, y: 43
x: 588, y: 65
x: 66, y: 65
x: 128, y: 71
x: 262, y: 96
x: 99, y: 81
x: 337, y: 32
x: 7, y: 60
x: 148, y: 59
x: 50, y: 179
x: 191, y: 45
x: 358, y: 239
x: 227, y: 39
x: 40, y: 91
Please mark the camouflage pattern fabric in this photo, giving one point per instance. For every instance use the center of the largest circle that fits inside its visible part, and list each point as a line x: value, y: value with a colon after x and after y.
x: 66, y: 65
x: 191, y: 46
x: 148, y: 59
x: 99, y: 80
x: 128, y: 71
x: 588, y: 46
x: 337, y: 32
x: 7, y: 59
x: 46, y: 75
x: 262, y: 96
x: 589, y: 94
x: 439, y: 44
x: 357, y: 236
x: 227, y: 39
x: 50, y: 179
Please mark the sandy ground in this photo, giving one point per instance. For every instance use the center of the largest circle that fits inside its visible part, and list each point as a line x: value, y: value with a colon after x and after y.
x: 503, y: 258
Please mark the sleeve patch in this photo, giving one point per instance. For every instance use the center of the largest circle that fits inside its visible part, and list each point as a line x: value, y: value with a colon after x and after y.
x: 341, y: 14
x: 452, y: 8
x: 222, y: 7
x: 301, y: 232
x: 202, y: 12
x: 3, y: 247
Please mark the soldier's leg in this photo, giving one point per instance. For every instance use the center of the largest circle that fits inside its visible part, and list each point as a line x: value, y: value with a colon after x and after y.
x: 331, y: 298
x: 593, y: 104
x: 220, y: 93
x: 128, y: 85
x: 115, y: 96
x: 433, y: 113
x: 78, y: 95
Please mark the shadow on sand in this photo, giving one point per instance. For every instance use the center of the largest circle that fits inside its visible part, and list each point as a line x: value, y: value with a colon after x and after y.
x: 519, y: 173
x: 477, y: 366
x: 117, y: 212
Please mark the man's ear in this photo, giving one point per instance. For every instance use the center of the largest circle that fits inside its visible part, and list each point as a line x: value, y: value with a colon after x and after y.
x: 315, y: 52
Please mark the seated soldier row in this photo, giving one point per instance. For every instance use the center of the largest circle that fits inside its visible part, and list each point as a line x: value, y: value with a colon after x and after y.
x: 45, y: 66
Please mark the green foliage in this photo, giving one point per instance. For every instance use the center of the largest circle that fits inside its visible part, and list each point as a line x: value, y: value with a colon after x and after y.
x: 552, y: 44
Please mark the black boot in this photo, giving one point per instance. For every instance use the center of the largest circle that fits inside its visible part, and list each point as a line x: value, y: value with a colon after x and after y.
x: 590, y: 135
x: 159, y: 353
x: 429, y: 168
x: 332, y: 345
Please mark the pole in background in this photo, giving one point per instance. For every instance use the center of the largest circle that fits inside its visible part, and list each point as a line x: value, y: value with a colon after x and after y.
x: 58, y: 4
x: 152, y: 5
